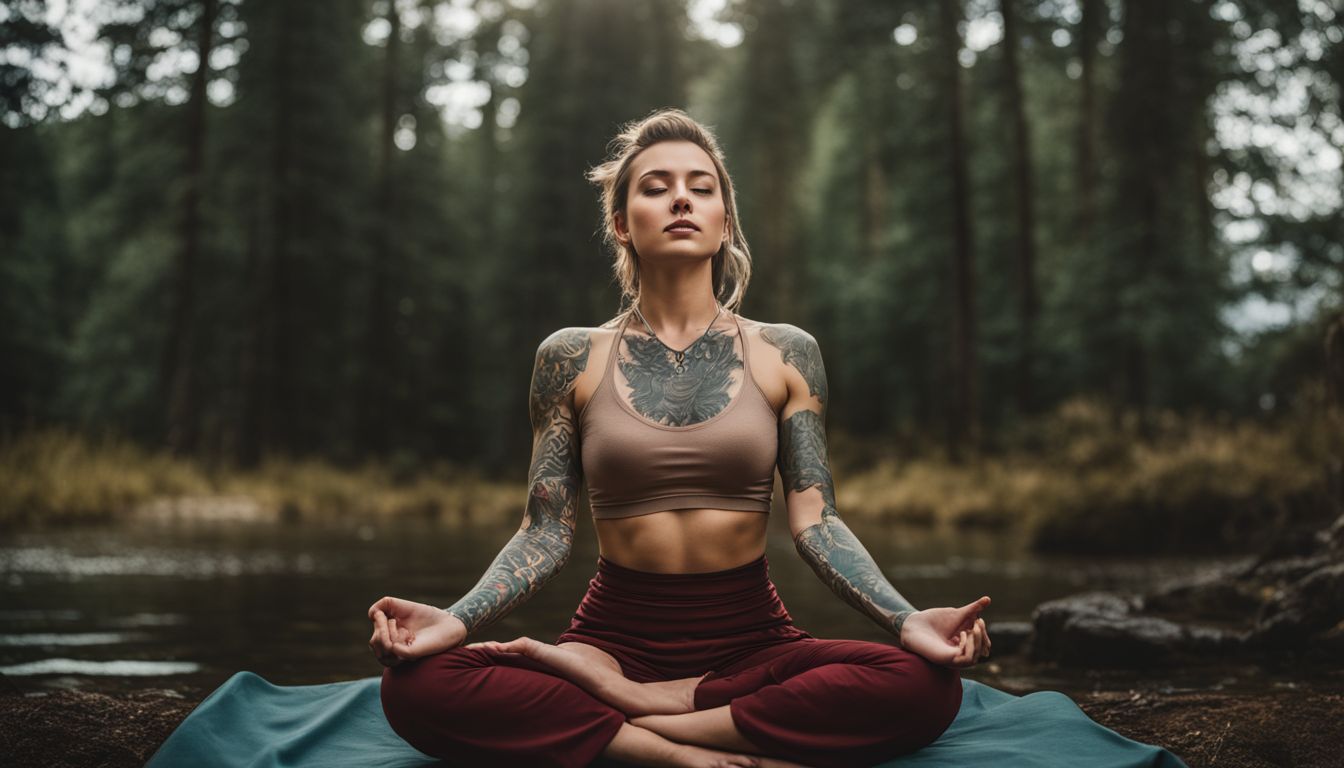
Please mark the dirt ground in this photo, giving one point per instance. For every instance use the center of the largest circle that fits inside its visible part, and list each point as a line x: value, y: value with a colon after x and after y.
x: 1280, y: 728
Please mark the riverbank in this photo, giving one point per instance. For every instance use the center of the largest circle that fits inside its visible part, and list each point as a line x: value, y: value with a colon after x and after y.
x: 58, y: 478
x: 1228, y: 730
x: 1082, y: 479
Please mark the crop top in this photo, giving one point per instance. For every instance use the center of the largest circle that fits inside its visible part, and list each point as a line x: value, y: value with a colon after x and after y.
x: 635, y: 466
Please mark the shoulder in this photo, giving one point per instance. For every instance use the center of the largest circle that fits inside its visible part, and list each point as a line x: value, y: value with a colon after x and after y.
x: 561, y: 357
x: 565, y: 342
x: 799, y: 351
x: 791, y: 341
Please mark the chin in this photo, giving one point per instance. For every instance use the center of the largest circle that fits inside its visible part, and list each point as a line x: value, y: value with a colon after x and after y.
x: 679, y: 252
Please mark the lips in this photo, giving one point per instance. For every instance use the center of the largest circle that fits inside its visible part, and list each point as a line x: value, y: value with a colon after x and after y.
x: 681, y: 224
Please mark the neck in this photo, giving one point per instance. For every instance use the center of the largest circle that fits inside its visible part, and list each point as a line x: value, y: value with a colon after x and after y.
x: 678, y: 300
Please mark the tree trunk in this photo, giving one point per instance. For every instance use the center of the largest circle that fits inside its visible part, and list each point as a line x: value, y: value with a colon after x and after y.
x: 1026, y: 218
x: 178, y: 368
x: 1093, y: 17
x: 963, y: 413
x: 379, y: 341
x: 278, y: 368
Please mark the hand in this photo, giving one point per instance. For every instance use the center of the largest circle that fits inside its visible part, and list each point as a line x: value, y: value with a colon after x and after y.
x: 525, y: 646
x: 952, y: 637
x: 403, y: 630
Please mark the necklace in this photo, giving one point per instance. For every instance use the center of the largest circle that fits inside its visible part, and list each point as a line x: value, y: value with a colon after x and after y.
x: 679, y: 355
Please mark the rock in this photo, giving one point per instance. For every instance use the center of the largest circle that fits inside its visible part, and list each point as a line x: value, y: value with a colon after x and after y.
x: 1289, y: 599
x: 1104, y: 629
x: 1313, y: 604
x: 1009, y: 637
x: 1291, y: 568
x: 1218, y: 600
x: 1049, y: 618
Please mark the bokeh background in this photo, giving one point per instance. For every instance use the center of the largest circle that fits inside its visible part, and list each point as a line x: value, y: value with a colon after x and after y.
x: 346, y: 235
x: 273, y: 273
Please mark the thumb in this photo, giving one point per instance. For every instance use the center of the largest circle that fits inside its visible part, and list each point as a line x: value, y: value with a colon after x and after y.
x: 975, y: 606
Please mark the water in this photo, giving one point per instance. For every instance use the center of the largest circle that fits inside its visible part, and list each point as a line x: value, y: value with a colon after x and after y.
x: 168, y: 604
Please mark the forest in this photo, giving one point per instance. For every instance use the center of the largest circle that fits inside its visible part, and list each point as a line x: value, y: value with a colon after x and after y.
x: 274, y: 274
x: 343, y: 237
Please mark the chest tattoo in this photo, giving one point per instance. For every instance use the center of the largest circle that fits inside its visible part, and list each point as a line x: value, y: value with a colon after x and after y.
x: 698, y: 393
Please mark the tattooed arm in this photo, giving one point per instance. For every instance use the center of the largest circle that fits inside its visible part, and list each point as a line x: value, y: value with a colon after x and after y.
x: 543, y: 543
x: 821, y: 537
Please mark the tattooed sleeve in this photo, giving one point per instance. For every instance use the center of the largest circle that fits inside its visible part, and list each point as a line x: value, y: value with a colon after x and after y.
x: 543, y: 543
x: 829, y: 547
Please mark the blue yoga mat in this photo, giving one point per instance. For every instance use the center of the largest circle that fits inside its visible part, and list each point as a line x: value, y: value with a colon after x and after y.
x: 249, y: 722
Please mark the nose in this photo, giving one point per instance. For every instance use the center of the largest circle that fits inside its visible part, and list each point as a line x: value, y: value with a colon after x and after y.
x: 681, y: 203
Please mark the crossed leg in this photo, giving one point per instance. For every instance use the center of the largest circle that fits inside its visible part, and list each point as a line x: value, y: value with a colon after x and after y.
x: 827, y: 702
x: 665, y: 708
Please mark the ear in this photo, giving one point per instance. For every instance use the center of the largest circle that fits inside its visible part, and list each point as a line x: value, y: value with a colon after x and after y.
x: 622, y: 234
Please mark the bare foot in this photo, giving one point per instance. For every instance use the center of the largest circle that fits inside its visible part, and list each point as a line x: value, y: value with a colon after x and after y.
x: 707, y: 758
x: 672, y: 697
x: 678, y: 696
x: 699, y: 757
x: 636, y: 746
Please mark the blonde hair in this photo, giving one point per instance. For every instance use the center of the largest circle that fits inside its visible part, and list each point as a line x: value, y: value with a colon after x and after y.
x: 732, y: 264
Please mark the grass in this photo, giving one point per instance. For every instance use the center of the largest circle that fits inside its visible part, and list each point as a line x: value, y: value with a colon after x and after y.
x: 58, y: 477
x: 1093, y: 483
x: 1083, y: 478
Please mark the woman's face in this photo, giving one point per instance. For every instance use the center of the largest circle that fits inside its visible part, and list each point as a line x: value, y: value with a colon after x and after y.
x: 672, y: 181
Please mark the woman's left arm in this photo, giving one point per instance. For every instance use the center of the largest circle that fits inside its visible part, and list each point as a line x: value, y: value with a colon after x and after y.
x: 821, y: 537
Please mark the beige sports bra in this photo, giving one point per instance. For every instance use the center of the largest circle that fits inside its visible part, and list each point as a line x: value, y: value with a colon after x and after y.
x: 635, y: 466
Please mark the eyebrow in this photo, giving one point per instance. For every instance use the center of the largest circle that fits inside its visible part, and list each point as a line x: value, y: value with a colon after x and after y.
x: 660, y: 172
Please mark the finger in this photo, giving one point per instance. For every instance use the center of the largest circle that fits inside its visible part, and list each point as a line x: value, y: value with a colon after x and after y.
x: 984, y: 637
x: 384, y: 604
x: 376, y: 645
x: 974, y: 607
x: 393, y: 633
x: 380, y: 619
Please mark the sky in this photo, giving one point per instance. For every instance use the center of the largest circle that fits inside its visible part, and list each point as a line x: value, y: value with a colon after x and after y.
x: 1242, y: 118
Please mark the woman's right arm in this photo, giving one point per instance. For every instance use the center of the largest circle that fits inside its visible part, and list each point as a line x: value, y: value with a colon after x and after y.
x: 543, y: 543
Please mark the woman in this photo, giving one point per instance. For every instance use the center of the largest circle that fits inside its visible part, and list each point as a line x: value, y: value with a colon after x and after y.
x: 676, y: 413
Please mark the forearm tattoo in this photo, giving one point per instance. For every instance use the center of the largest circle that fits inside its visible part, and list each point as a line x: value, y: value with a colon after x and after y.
x: 543, y: 543
x: 829, y: 547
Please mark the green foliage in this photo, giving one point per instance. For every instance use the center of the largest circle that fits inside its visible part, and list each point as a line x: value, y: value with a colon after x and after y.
x: 351, y: 298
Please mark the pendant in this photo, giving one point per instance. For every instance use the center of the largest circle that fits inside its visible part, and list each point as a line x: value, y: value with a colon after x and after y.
x: 679, y: 357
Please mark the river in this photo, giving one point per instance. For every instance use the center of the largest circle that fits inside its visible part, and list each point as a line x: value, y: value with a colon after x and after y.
x: 160, y: 603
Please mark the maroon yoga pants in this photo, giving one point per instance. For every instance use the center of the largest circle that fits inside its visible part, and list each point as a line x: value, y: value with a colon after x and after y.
x: 817, y: 702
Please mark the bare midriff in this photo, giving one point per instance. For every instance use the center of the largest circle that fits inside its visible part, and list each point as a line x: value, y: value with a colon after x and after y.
x: 683, y: 540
